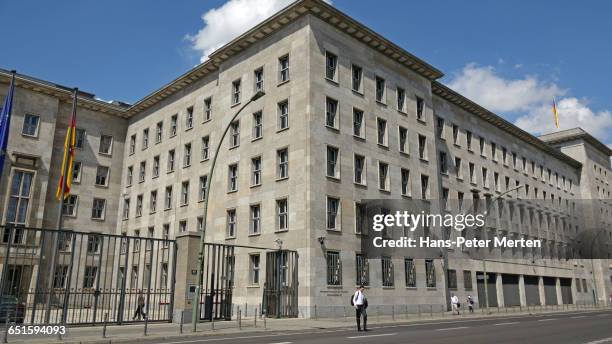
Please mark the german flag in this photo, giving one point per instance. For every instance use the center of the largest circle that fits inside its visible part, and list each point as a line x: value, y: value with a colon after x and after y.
x: 554, y: 111
x: 65, y: 180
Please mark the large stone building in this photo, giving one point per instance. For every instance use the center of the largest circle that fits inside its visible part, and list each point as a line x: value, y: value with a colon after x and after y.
x: 347, y: 116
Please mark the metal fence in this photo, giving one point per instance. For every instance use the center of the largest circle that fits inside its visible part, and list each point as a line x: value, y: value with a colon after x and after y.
x: 70, y: 277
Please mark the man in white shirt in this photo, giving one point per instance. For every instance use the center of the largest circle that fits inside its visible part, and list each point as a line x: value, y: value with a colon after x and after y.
x: 360, y: 303
x: 455, y: 303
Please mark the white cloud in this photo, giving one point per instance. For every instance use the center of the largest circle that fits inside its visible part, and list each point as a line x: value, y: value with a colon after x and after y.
x: 530, y: 101
x: 486, y: 87
x: 233, y: 18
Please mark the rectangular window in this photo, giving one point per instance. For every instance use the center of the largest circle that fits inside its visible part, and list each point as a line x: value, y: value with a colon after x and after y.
x: 254, y: 269
x: 282, y: 159
x: 155, y: 170
x: 420, y: 104
x: 184, y: 193
x: 424, y: 187
x: 79, y: 139
x: 458, y: 170
x: 89, y: 276
x: 283, y: 115
x: 452, y: 279
x: 30, y: 125
x: 405, y: 175
x: 331, y: 66
x: 443, y: 163
x: 182, y: 226
x: 159, y: 132
x: 258, y: 76
x: 333, y: 213
x: 207, y: 109
x: 255, y: 219
x: 171, y: 157
x: 381, y: 126
x: 231, y: 223
x: 153, y: 201
x: 388, y: 277
x: 383, y: 176
x: 102, y: 175
x: 236, y: 89
x: 168, y: 198
x: 283, y: 66
x: 380, y: 89
x: 445, y: 195
x: 257, y: 125
x: 189, y: 118
x: 126, y: 208
x: 70, y: 205
x: 359, y: 169
x: 98, y: 209
x: 173, y: 125
x: 232, y: 178
x: 467, y: 280
x: 145, y: 138
x: 142, y: 171
x: 256, y: 171
x: 455, y: 134
x: 403, y: 139
x: 430, y: 273
x: 401, y: 99
x: 422, y: 147
x: 282, y: 214
x: 106, y: 144
x: 356, y: 80
x: 360, y: 218
x: 132, y: 144
x: 440, y: 127
x: 358, y: 127
x: 468, y: 137
x: 334, y: 268
x: 77, y: 168
x: 138, y: 205
x: 472, y: 173
x: 362, y: 270
x: 19, y: 200
x: 482, y: 146
x: 493, y: 151
x: 93, y: 244
x: 205, y: 148
x: 234, y: 140
x: 485, y: 177
x: 202, y: 188
x: 187, y: 155
x: 333, y: 166
x: 331, y: 113
x: 410, y: 271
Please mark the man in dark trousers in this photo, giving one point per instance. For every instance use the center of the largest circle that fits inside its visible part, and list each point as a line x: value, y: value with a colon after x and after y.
x: 360, y: 303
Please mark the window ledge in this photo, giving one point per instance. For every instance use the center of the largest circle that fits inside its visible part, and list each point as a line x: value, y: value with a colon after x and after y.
x: 282, y: 129
x: 422, y: 121
x: 332, y: 128
x: 332, y: 81
x: 280, y: 83
x: 281, y: 179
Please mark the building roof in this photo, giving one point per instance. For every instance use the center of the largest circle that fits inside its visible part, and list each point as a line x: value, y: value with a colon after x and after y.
x: 85, y: 99
x: 452, y: 96
x: 575, y: 134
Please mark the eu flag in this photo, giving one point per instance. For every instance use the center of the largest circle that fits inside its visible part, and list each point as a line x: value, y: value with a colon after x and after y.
x: 5, y: 120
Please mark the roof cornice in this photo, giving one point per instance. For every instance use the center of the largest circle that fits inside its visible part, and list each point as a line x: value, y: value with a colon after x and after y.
x: 575, y: 134
x: 446, y: 93
x: 63, y: 93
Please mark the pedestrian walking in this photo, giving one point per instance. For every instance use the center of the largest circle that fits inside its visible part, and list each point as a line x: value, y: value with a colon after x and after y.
x: 470, y: 303
x: 360, y: 303
x: 455, y: 303
x: 140, y: 307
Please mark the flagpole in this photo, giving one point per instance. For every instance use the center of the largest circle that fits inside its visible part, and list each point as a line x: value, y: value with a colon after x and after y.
x: 60, y: 215
x: 8, y: 102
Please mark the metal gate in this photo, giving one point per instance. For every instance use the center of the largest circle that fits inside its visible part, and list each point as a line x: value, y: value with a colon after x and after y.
x: 532, y: 290
x: 491, y: 289
x: 231, y: 275
x: 280, y: 289
x: 510, y: 285
x: 71, y: 277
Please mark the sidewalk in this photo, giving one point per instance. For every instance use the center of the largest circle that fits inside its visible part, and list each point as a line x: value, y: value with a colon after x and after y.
x: 171, y: 332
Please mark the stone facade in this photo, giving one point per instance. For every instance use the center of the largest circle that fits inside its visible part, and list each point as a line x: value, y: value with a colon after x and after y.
x: 307, y: 58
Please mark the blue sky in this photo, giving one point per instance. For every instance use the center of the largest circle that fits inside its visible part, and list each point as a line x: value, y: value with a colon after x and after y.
x: 511, y: 56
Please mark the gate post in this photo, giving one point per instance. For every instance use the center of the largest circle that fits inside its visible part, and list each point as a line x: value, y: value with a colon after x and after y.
x: 123, y: 282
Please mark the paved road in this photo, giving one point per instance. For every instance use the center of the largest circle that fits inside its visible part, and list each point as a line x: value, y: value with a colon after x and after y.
x: 560, y: 328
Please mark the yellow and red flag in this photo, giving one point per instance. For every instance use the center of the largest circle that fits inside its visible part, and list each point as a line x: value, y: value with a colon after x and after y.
x: 65, y: 180
x: 554, y: 111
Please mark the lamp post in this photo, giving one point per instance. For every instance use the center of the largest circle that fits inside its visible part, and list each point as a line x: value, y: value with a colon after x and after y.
x: 196, y: 297
x: 484, y: 261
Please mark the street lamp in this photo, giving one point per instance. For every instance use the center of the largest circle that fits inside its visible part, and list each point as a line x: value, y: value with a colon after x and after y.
x: 484, y: 261
x: 196, y: 297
